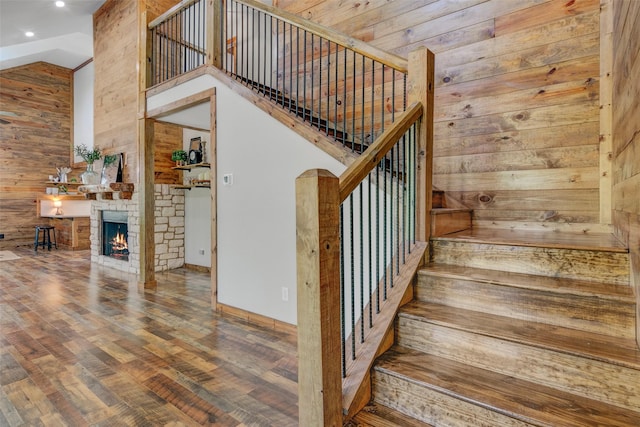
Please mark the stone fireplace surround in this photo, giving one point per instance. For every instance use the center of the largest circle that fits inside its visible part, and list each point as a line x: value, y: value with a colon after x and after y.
x: 169, y: 230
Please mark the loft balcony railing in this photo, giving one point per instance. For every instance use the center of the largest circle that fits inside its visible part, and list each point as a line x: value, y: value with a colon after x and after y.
x: 360, y: 237
x: 178, y: 41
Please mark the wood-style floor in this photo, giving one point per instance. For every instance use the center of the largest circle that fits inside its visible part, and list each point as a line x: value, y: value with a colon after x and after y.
x: 80, y: 345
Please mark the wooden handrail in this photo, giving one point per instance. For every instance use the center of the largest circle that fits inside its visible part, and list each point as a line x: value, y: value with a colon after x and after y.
x: 389, y: 59
x: 367, y: 161
x: 170, y: 12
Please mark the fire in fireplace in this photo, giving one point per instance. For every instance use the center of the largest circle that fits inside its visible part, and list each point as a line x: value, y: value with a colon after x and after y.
x: 114, y: 235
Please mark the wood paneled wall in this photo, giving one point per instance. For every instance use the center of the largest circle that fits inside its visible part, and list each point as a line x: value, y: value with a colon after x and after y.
x: 116, y: 85
x: 34, y: 143
x: 517, y: 99
x: 626, y: 131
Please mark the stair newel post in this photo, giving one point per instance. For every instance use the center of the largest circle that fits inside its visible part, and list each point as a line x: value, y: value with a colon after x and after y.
x: 215, y: 32
x: 318, y: 288
x: 420, y: 88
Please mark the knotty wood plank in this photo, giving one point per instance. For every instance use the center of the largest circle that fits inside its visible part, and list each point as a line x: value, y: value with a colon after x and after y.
x: 616, y: 350
x: 432, y: 374
x: 584, y: 241
x: 546, y: 179
x: 375, y: 415
x: 542, y: 14
x: 598, y: 313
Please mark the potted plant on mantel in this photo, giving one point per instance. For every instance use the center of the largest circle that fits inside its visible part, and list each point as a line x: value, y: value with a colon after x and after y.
x: 89, y: 177
x: 180, y: 157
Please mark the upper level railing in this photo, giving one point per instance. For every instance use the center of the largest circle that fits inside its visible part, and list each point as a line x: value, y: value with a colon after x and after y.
x: 178, y: 40
x: 346, y: 88
x: 359, y: 236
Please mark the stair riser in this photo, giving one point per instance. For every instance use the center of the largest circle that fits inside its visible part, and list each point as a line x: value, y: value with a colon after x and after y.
x: 609, y: 267
x: 443, y: 223
x: 586, y: 313
x: 593, y: 379
x: 433, y: 407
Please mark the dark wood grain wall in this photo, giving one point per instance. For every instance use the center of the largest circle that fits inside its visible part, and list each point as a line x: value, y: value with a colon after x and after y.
x: 626, y: 131
x: 517, y: 99
x: 33, y: 143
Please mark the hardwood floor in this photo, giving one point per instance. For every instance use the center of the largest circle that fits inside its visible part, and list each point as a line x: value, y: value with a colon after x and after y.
x: 80, y: 345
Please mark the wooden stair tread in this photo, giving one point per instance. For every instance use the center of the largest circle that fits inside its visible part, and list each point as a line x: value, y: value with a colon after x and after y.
x: 529, y: 402
x: 561, y: 285
x: 614, y: 350
x: 584, y: 241
x: 376, y: 415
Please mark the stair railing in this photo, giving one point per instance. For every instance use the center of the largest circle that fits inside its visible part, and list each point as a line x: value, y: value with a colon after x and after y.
x: 360, y: 237
x: 347, y: 88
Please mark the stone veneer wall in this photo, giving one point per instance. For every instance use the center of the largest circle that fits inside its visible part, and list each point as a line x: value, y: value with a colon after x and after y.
x: 169, y: 230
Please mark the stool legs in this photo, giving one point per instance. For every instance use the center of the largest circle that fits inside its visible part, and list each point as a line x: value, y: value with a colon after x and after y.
x: 46, y: 238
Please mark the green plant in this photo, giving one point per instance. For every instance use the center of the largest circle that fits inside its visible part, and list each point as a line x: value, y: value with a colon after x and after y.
x: 109, y: 159
x: 88, y: 155
x: 178, y: 155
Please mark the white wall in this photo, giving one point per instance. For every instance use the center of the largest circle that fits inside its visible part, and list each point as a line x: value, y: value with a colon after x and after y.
x: 256, y: 215
x: 83, y: 107
x: 197, y: 222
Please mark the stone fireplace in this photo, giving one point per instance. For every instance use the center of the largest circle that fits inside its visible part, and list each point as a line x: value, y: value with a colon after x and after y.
x: 168, y: 230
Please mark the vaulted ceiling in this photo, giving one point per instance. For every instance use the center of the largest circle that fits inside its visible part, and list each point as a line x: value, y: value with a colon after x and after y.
x: 62, y: 35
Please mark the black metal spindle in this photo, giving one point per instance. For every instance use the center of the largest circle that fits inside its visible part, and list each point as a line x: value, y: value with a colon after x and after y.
x: 352, y: 281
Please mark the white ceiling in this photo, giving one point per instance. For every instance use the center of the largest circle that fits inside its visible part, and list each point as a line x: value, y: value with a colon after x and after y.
x: 63, y: 36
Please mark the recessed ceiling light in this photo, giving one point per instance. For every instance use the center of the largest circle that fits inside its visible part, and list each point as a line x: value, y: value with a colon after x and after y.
x: 29, y: 34
x: 60, y: 3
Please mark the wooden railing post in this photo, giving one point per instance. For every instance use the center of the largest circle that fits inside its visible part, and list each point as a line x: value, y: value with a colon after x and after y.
x: 215, y: 29
x: 318, y: 278
x: 420, y: 88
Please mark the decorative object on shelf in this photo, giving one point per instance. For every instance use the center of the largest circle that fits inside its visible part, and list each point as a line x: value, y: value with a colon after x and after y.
x: 179, y: 156
x: 120, y: 166
x: 62, y: 174
x: 108, y: 163
x: 89, y: 177
x: 195, y: 151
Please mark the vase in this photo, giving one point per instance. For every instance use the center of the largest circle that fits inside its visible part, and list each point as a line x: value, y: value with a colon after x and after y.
x: 90, y: 177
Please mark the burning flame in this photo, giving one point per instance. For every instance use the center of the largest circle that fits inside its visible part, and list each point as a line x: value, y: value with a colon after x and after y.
x: 119, y: 243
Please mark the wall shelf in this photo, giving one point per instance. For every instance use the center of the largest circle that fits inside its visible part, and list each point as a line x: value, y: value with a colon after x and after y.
x: 63, y: 183
x: 193, y: 166
x: 194, y: 184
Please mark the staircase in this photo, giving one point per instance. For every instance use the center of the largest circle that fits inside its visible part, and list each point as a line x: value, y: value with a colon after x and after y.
x: 513, y: 329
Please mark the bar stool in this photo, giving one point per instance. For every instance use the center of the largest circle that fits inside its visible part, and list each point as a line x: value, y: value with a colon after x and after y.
x: 46, y: 237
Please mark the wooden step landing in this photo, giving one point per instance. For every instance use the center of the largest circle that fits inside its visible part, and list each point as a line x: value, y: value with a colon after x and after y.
x: 375, y: 415
x: 582, y: 241
x: 444, y: 392
x: 605, y: 348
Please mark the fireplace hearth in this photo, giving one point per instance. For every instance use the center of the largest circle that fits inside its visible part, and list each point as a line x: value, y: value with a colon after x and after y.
x: 115, y: 234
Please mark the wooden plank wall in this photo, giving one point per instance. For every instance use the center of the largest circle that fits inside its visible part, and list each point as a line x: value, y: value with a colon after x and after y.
x: 33, y: 144
x: 626, y: 132
x: 116, y: 87
x: 517, y: 99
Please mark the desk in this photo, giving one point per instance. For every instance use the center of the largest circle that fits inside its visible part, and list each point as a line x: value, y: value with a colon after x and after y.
x: 72, y: 233
x: 73, y: 227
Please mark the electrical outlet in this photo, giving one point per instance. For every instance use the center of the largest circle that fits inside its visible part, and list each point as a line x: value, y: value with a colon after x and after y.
x: 227, y: 179
x: 285, y: 294
x: 201, y: 251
